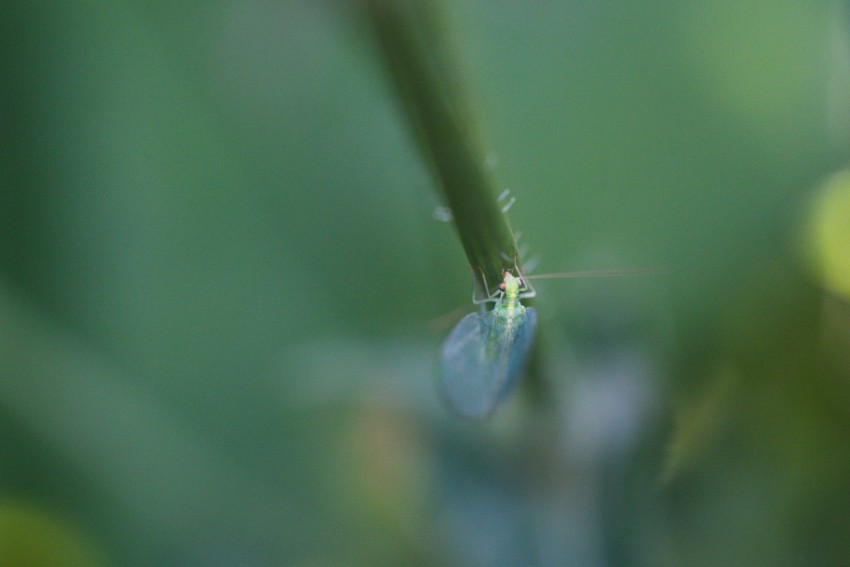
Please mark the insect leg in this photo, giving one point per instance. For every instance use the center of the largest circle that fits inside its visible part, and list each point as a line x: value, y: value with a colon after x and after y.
x: 491, y: 297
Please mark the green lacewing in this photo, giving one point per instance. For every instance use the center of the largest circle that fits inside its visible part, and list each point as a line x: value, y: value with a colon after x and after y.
x: 484, y: 356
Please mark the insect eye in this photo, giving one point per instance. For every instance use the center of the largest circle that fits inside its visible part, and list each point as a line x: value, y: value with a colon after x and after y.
x: 502, y: 286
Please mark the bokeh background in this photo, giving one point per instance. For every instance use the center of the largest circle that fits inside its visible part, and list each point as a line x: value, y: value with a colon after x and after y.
x: 223, y: 291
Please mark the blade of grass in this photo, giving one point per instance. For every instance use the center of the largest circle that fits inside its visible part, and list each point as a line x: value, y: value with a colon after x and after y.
x: 414, y: 41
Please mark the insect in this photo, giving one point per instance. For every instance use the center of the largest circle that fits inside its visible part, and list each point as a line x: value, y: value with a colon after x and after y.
x: 484, y: 355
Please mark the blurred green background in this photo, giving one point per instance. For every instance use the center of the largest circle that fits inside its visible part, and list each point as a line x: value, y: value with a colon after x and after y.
x: 222, y: 288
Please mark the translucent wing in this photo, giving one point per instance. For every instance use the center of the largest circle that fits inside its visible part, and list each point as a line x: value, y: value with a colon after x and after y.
x: 482, y: 360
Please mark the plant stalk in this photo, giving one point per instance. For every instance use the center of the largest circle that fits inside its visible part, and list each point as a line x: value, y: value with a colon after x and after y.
x: 414, y: 41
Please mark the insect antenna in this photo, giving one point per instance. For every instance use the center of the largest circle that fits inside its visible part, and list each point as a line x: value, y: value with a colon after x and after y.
x: 598, y: 273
